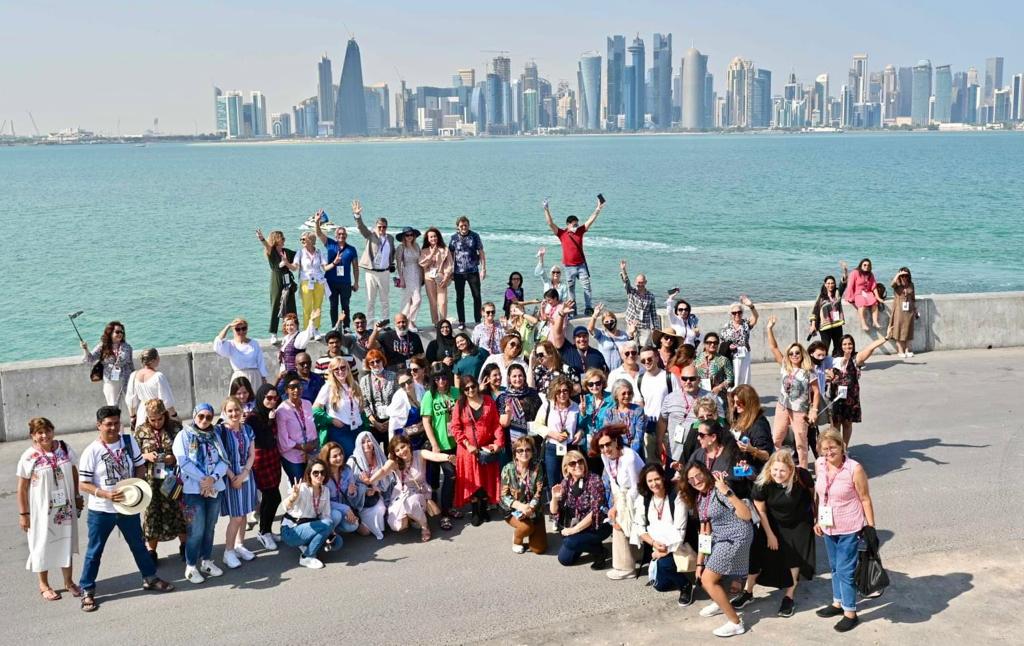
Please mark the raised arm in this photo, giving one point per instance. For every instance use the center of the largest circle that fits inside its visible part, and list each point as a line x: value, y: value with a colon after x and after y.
x: 773, y: 345
x: 319, y: 229
x: 752, y: 321
x: 592, y: 322
x: 593, y: 216
x: 624, y: 276
x: 357, y: 213
x: 267, y: 249
x: 557, y: 333
x: 550, y: 220
x: 866, y: 353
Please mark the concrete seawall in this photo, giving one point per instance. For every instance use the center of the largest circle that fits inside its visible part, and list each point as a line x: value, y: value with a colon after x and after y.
x: 60, y: 388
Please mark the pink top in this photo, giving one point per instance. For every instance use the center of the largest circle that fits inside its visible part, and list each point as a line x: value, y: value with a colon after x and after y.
x: 839, y: 493
x: 293, y: 429
x: 859, y: 283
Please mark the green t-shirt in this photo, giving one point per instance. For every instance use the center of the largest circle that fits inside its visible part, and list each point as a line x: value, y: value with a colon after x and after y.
x: 439, y: 409
x: 472, y: 364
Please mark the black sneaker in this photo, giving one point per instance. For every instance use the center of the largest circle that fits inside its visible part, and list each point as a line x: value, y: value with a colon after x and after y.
x: 600, y: 560
x: 829, y: 611
x: 686, y: 596
x: 589, y: 311
x: 846, y: 623
x: 741, y: 600
x: 787, y: 607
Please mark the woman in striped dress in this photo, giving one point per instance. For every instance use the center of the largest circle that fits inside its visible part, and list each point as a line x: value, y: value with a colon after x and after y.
x: 239, y: 498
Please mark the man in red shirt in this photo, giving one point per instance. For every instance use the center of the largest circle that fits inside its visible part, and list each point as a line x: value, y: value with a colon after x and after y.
x: 573, y: 258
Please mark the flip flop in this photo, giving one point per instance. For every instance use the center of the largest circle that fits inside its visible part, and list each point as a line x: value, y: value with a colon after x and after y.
x: 49, y: 594
x: 455, y: 513
x: 75, y: 590
x: 424, y: 534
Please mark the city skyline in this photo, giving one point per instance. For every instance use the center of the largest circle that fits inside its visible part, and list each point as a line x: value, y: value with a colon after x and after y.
x: 434, y: 50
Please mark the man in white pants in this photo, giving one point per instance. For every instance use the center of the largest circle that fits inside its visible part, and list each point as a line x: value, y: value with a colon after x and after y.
x: 378, y: 262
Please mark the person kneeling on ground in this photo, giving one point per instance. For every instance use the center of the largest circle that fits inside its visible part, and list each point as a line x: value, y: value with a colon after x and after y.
x: 659, y: 524
x: 307, y: 522
x: 522, y: 488
x: 578, y: 505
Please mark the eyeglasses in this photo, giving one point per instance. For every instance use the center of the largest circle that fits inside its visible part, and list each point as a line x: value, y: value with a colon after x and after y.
x: 696, y: 478
x: 204, y: 416
x: 469, y: 387
x: 629, y: 353
x: 523, y: 451
x: 711, y: 343
x: 563, y: 391
x: 646, y: 359
x: 689, y: 379
x: 574, y: 463
x: 304, y: 364
x: 416, y: 369
x: 318, y: 473
x: 594, y: 384
x: 735, y: 313
x: 238, y: 328
x: 830, y: 450
x: 489, y: 312
x: 605, y: 445
x: 405, y: 383
x: 340, y: 369
x: 293, y: 386
x: 699, y: 434
x: 796, y: 353
x: 554, y: 273
x: 122, y: 331
x: 541, y: 355
x: 376, y: 362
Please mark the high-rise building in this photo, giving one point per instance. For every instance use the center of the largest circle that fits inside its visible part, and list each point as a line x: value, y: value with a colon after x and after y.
x: 636, y: 98
x: 661, y: 108
x: 493, y: 103
x: 503, y: 68
x: 234, y: 110
x: 905, y: 89
x: 889, y: 96
x: 974, y: 99
x: 921, y: 100
x: 378, y: 110
x: 589, y: 103
x: 259, y: 114
x: 531, y: 109
x: 943, y: 111
x: 614, y: 104
x: 694, y: 70
x: 739, y: 89
x: 859, y: 76
x: 325, y: 91
x: 220, y: 112
x: 761, y: 99
x: 1017, y: 94
x: 350, y: 106
x: 1001, y: 105
x: 281, y: 124
x: 846, y: 101
x: 993, y: 77
x: 468, y: 76
x: 311, y: 112
x: 821, y: 103
x: 710, y: 98
x: 957, y: 108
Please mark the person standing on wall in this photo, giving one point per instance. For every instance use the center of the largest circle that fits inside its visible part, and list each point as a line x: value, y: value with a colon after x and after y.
x: 470, y: 267
x: 573, y: 258
x: 341, y: 271
x: 378, y: 259
x: 282, y: 280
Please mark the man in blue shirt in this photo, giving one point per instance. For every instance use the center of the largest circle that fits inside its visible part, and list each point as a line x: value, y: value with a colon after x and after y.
x: 470, y: 267
x: 342, y: 270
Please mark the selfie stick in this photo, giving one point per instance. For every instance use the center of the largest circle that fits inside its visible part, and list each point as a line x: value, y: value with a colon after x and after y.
x: 72, y: 318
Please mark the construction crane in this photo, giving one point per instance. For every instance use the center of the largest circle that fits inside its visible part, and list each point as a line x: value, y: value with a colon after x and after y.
x: 34, y: 126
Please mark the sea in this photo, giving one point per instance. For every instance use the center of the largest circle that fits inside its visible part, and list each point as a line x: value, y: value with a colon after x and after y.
x: 162, y: 237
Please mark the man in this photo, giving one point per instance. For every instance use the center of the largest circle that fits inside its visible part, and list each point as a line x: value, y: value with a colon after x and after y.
x: 678, y: 414
x: 641, y: 312
x: 579, y: 355
x: 111, y: 458
x: 470, y: 267
x: 630, y: 369
x: 398, y: 345
x: 653, y: 386
x: 610, y: 339
x: 334, y: 340
x: 342, y: 270
x: 357, y: 342
x: 378, y: 259
x: 311, y: 381
x: 573, y: 258
x: 488, y: 335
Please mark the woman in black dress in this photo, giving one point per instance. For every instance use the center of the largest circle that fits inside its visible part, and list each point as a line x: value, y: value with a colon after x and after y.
x: 282, y: 280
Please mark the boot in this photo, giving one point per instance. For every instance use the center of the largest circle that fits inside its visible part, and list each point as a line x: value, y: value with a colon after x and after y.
x: 485, y: 512
x: 475, y: 515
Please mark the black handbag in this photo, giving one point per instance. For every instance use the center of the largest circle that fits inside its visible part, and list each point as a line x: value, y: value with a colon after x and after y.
x: 870, y: 577
x: 96, y: 373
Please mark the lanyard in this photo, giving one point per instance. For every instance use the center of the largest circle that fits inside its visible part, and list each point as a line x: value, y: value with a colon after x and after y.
x: 302, y: 424
x: 351, y: 401
x: 709, y: 459
x: 316, y: 502
x: 660, y: 509
x: 613, y: 470
x: 829, y: 483
x: 704, y: 508
x: 524, y: 482
x: 52, y: 461
x: 563, y: 418
x: 115, y: 457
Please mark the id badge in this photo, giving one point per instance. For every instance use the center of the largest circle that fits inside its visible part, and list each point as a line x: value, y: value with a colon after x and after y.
x: 705, y: 384
x: 58, y: 497
x: 432, y: 274
x: 825, y: 516
x: 905, y: 306
x: 741, y: 352
x: 841, y: 392
x: 159, y: 470
x: 115, y: 374
x: 560, y: 448
x: 680, y: 434
x: 310, y: 285
x: 834, y: 315
x: 340, y: 271
x: 704, y: 543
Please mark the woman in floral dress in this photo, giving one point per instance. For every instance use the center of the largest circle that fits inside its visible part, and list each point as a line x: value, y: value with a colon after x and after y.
x: 164, y: 519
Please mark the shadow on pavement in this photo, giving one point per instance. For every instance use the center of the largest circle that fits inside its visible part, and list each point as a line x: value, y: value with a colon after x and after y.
x: 881, y: 459
x: 910, y: 600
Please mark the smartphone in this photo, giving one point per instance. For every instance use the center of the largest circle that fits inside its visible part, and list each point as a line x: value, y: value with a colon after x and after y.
x: 600, y: 198
x: 742, y: 471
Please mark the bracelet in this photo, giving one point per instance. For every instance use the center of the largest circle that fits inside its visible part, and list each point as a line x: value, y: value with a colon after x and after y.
x: 25, y: 513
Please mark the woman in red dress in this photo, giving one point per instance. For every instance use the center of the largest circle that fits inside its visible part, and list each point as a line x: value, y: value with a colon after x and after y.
x: 477, y: 431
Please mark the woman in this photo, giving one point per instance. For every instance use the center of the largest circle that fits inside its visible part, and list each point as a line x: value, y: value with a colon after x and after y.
x: 241, y: 389
x: 404, y: 412
x: 410, y: 500
x: 784, y: 499
x: 266, y: 466
x: 294, y: 342
x: 436, y: 408
x: 490, y: 381
x: 546, y: 364
x: 338, y: 406
x: 511, y: 354
x: 479, y: 441
x: 553, y: 280
x: 904, y: 312
x: 844, y: 385
x: 557, y: 421
x: 341, y: 484
x: 522, y: 491
x: 862, y: 291
x: 438, y: 265
x: 418, y: 370
x: 844, y: 509
x: 684, y: 356
x: 623, y: 411
x: 443, y: 347
x: 827, y: 314
x: 371, y: 498
x: 736, y: 337
x: 378, y: 387
x: 667, y: 343
x: 282, y: 281
x: 578, y: 503
x: 469, y: 360
x: 525, y: 326
x: 296, y: 431
x: 659, y: 522
x: 622, y: 467
x: 312, y: 281
x: 723, y: 545
x: 202, y: 463
x: 594, y: 401
x: 243, y: 353
x: 239, y: 498
x: 550, y: 305
x: 750, y: 428
x: 307, y: 521
x: 116, y: 356
x: 717, y: 451
x: 683, y: 321
x: 513, y: 293
x: 517, y: 407
x: 164, y: 520
x: 148, y: 383
x: 411, y: 275
x: 714, y: 370
x: 48, y: 506
x: 799, y: 398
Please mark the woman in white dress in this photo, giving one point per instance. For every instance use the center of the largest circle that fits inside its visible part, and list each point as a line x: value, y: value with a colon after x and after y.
x: 407, y: 261
x: 48, y: 506
x: 244, y: 353
x: 148, y: 383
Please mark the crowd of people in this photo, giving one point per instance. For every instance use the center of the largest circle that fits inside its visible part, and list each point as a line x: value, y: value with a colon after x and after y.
x: 644, y: 450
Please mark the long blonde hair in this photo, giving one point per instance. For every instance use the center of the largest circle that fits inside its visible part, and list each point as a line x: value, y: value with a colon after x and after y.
x: 334, y: 394
x: 785, y: 456
x: 805, y: 361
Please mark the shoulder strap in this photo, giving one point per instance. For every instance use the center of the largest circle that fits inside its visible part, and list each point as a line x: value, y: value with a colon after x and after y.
x: 639, y: 382
x: 126, y: 440
x: 547, y: 413
x: 648, y: 498
x: 668, y: 382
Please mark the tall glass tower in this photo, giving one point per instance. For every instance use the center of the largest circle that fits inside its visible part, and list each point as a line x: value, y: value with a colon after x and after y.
x: 350, y: 107
x: 922, y: 93
x: 662, y: 81
x: 637, y: 95
x: 943, y: 94
x: 616, y: 79
x: 325, y: 88
x: 695, y: 69
x: 590, y: 91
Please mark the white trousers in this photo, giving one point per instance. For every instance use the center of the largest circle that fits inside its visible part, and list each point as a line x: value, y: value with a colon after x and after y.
x: 378, y: 285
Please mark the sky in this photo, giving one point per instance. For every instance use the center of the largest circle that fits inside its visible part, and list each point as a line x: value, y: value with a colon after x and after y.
x: 95, y: 65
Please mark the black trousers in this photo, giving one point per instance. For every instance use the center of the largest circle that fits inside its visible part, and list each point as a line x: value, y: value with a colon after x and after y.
x: 341, y: 295
x: 834, y: 337
x: 270, y: 500
x: 281, y: 303
x: 473, y: 279
x: 441, y: 476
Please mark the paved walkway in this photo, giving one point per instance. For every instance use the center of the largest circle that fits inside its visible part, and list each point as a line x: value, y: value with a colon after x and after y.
x: 942, y: 438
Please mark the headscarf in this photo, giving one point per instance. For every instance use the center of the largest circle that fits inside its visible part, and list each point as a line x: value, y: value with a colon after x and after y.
x: 197, y: 440
x: 259, y: 420
x: 385, y: 483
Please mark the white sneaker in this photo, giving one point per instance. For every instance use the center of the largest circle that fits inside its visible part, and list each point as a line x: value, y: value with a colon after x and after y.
x: 192, y: 574
x: 231, y: 559
x: 729, y: 629
x: 901, y: 355
x: 274, y: 340
x: 619, y: 575
x: 910, y: 353
x: 710, y: 610
x: 311, y: 562
x: 267, y: 541
x: 244, y: 553
x: 518, y: 549
x: 210, y: 568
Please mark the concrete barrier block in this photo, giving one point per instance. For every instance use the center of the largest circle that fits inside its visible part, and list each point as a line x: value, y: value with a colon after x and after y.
x: 960, y: 321
x: 716, y: 317
x: 211, y: 373
x: 58, y: 389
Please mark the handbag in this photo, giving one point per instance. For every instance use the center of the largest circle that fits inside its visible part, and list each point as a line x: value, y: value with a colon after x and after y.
x: 96, y: 372
x: 171, y: 487
x: 870, y: 577
x: 685, y: 558
x: 483, y: 456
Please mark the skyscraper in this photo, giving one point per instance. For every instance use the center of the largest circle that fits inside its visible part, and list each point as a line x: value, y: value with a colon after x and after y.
x: 493, y: 103
x: 589, y: 103
x: 233, y: 109
x: 325, y: 90
x: 1017, y: 94
x: 889, y: 96
x: 299, y: 119
x: 821, y: 102
x: 846, y: 101
x: 905, y: 88
x: 478, y: 106
x: 694, y: 70
x: 943, y: 95
x: 638, y: 88
x: 956, y: 113
x: 220, y: 112
x: 531, y: 109
x: 614, y: 105
x: 281, y: 124
x: 993, y: 77
x: 971, y: 104
x: 350, y: 107
x: 311, y: 112
x: 378, y: 108
x: 1001, y: 105
x: 468, y: 76
x: 922, y: 93
x: 662, y: 81
x: 739, y: 90
x: 859, y: 78
x: 761, y: 99
x: 259, y: 114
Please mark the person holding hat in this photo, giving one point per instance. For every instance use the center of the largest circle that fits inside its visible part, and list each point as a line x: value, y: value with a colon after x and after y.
x: 378, y: 258
x: 115, y: 500
x: 410, y: 274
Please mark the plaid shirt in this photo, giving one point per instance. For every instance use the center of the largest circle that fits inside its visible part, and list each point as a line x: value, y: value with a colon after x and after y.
x: 640, y: 308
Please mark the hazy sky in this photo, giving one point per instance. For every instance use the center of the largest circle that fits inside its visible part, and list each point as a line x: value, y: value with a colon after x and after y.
x: 89, y: 64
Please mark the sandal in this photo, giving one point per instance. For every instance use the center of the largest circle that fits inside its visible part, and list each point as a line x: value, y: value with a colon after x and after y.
x: 49, y: 594
x: 89, y: 603
x: 455, y: 513
x: 445, y: 523
x: 74, y: 589
x: 424, y: 534
x: 157, y: 585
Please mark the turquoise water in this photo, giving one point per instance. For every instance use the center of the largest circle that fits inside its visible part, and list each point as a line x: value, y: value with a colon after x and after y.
x: 162, y: 237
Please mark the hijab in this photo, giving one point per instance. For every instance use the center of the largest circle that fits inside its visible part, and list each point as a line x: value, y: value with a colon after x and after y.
x: 385, y: 483
x: 259, y: 420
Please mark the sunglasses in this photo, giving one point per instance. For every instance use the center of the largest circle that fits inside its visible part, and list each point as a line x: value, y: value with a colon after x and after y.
x: 304, y: 364
x: 293, y: 386
x: 689, y: 378
x: 574, y: 463
x: 605, y: 445
x: 594, y: 384
x: 796, y: 353
x: 405, y: 383
x: 680, y: 310
x: 711, y: 343
x: 416, y: 369
x: 376, y: 362
x: 469, y: 387
x: 555, y: 273
x: 340, y: 369
x: 541, y: 355
x: 204, y: 416
x: 238, y: 328
x: 319, y: 473
x: 563, y: 391
x: 646, y: 359
x: 489, y: 312
x: 122, y: 331
x: 735, y: 313
x: 629, y: 353
x: 699, y: 434
x: 523, y: 451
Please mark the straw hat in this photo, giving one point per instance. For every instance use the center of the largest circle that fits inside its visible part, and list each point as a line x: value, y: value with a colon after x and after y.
x: 137, y: 494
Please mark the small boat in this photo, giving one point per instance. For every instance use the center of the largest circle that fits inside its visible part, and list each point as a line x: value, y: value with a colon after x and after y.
x: 325, y: 224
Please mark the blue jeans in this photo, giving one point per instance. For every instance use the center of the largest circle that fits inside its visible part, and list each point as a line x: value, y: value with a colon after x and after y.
x: 666, y: 577
x: 572, y: 272
x: 842, y: 556
x: 345, y: 436
x: 294, y: 470
x: 341, y: 526
x: 311, y: 536
x: 552, y: 467
x: 589, y: 540
x: 101, y: 523
x: 204, y: 513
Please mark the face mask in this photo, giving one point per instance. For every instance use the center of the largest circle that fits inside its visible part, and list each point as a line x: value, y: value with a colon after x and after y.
x: 610, y: 325
x: 377, y: 371
x: 816, y: 361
